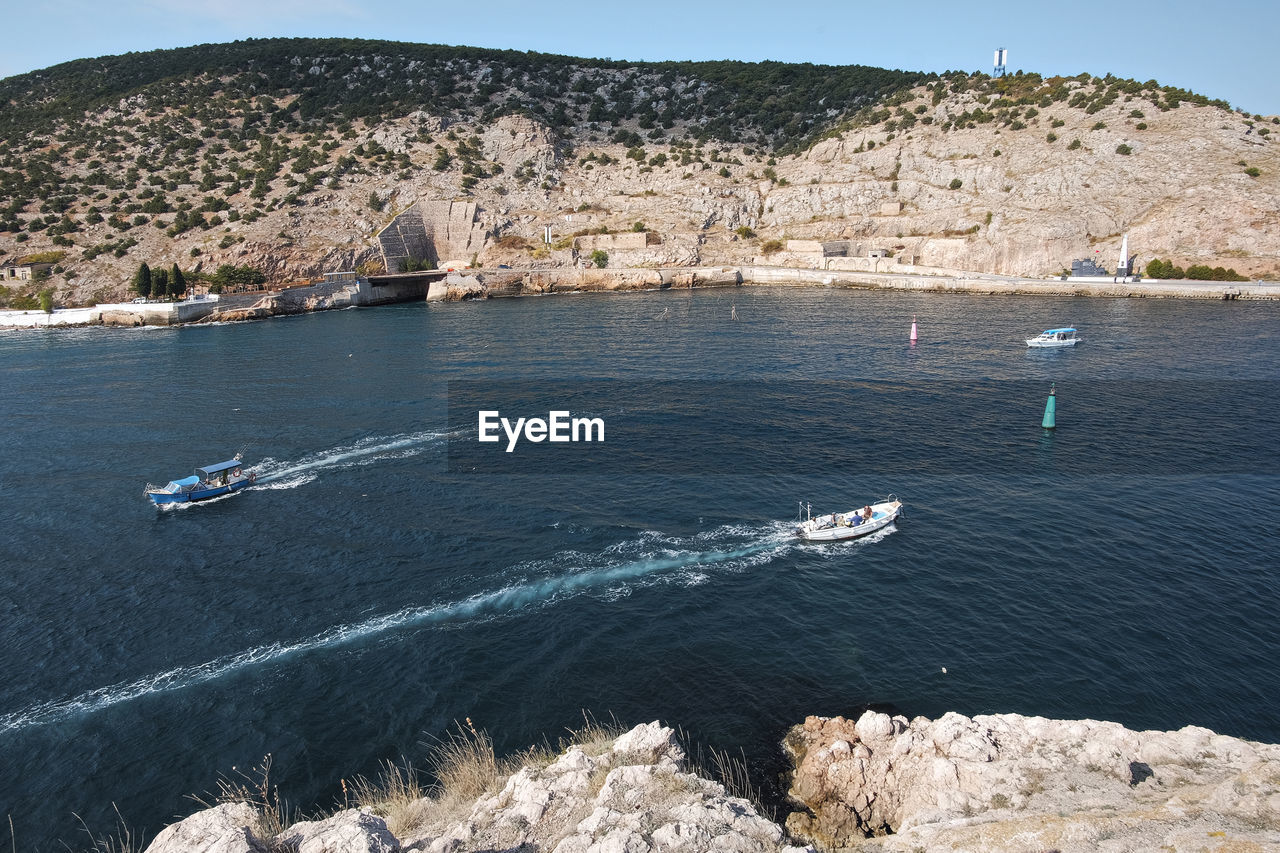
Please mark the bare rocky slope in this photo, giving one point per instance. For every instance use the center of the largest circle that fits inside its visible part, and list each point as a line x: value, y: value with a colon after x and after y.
x: 988, y: 783
x: 1017, y: 175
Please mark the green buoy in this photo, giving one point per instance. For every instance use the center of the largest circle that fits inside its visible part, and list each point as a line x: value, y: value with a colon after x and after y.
x: 1051, y: 409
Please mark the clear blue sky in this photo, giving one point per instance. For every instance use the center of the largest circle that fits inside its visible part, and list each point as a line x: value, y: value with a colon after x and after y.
x: 1223, y: 49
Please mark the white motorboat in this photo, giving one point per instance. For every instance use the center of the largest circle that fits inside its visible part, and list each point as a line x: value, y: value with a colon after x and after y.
x: 1054, y: 338
x: 848, y: 525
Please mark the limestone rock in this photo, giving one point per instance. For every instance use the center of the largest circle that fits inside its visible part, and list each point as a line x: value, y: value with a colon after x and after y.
x: 631, y: 795
x: 238, y: 314
x: 350, y: 831
x: 1007, y: 782
x: 513, y: 141
x: 120, y: 318
x: 221, y: 829
x: 651, y: 743
x: 459, y: 286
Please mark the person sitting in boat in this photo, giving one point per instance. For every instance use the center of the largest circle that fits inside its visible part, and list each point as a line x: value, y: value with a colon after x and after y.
x: 867, y: 512
x: 854, y: 519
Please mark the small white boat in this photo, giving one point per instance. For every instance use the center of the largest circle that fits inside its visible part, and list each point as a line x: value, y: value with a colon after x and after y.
x: 1054, y: 338
x: 848, y: 525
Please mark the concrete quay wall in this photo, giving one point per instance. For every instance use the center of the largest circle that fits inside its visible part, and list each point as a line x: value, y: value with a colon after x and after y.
x: 41, y: 320
x: 114, y: 314
x: 1009, y: 285
x: 497, y: 283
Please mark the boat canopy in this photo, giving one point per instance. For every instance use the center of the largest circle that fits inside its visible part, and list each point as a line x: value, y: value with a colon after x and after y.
x: 210, y: 470
x: 1055, y: 331
x: 186, y: 481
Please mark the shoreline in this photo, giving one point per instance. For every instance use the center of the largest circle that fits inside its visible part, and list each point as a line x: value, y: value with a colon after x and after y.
x: 510, y: 283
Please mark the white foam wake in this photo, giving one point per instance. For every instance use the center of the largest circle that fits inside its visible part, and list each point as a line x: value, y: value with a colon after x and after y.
x: 276, y: 474
x: 363, y: 452
x: 615, y: 572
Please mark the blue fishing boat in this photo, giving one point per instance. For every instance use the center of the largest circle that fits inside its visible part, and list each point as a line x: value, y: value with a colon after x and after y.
x: 207, y: 482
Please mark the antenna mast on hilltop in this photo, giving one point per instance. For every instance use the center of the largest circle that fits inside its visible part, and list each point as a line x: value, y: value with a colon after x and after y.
x: 1002, y: 56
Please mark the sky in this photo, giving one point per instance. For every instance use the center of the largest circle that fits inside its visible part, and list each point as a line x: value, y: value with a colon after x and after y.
x: 1224, y: 49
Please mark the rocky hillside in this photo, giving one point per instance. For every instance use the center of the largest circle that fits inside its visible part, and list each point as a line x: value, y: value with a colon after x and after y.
x: 990, y: 783
x: 289, y: 156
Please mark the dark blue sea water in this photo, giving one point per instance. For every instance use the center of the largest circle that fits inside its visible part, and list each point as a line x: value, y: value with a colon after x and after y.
x: 390, y: 575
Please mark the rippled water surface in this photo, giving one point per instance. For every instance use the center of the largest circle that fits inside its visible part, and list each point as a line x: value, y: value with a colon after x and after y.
x: 389, y: 575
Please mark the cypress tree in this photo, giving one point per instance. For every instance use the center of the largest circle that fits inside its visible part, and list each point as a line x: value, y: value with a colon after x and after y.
x: 142, y: 280
x: 177, y: 282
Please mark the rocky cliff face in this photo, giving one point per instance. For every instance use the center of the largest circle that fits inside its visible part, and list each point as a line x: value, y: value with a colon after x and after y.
x: 1012, y: 783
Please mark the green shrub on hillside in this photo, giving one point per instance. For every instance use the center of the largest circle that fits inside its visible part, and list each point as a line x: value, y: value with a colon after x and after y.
x: 1159, y: 269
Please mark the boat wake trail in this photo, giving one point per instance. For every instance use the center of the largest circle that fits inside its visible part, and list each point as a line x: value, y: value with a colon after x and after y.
x: 275, y: 474
x: 650, y: 559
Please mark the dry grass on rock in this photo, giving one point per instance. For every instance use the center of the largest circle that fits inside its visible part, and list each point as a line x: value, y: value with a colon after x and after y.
x: 465, y: 767
x: 255, y: 789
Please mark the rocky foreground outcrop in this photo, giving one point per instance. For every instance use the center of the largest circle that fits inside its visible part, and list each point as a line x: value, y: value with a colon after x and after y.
x: 1012, y: 783
x: 997, y: 784
x: 633, y: 796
